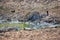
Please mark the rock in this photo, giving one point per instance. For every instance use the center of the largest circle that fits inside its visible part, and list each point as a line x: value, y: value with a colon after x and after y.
x: 9, y: 20
x: 6, y: 29
x: 54, y: 20
x: 57, y: 22
x: 34, y: 16
x: 13, y: 29
x: 47, y: 19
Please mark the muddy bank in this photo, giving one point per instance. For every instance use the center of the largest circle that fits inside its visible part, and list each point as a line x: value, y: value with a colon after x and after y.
x: 42, y: 34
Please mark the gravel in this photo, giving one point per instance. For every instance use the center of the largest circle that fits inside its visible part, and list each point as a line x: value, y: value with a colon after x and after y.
x: 41, y: 34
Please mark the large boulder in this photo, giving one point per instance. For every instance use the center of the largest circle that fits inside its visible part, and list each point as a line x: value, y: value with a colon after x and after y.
x: 33, y: 16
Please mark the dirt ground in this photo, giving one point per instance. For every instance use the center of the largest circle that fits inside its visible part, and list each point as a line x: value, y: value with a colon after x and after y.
x: 41, y: 34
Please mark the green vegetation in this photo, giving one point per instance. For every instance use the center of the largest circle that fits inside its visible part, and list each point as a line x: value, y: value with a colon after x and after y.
x: 20, y: 25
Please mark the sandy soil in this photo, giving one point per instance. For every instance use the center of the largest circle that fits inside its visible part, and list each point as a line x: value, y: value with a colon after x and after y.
x: 41, y: 34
